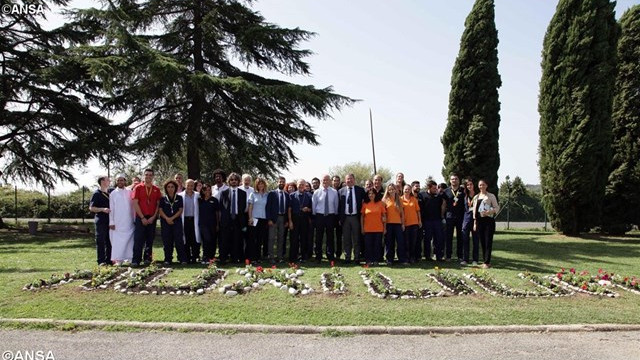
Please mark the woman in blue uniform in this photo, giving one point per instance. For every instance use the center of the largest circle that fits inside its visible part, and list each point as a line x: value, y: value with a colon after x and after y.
x: 171, y: 206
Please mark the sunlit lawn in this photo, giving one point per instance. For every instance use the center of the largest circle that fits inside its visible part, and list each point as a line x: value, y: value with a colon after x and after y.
x: 24, y: 258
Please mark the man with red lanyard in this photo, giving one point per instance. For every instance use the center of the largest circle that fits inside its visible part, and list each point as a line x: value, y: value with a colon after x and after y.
x: 146, y: 198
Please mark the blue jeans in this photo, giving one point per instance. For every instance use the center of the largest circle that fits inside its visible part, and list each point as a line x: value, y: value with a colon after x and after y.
x: 103, y: 244
x: 172, y: 236
x: 394, y: 237
x: 372, y: 246
x: 143, y: 241
x: 433, y: 230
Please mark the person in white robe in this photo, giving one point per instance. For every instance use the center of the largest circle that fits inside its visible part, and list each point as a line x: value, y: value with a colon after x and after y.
x: 121, y: 222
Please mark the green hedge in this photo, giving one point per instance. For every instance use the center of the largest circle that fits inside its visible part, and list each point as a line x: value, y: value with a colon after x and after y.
x: 33, y: 204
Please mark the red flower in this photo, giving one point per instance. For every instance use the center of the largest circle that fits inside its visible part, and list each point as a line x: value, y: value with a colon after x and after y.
x: 599, y: 271
x: 259, y: 269
x: 274, y: 267
x: 633, y: 283
x: 247, y: 262
x: 605, y: 277
x: 561, y: 269
x: 584, y: 286
x: 366, y: 266
x: 572, y: 270
x: 333, y: 263
x: 626, y: 279
x: 559, y: 275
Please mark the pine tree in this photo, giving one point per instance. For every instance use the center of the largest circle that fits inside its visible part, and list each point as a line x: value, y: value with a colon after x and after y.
x: 578, y: 74
x: 470, y: 139
x: 182, y: 70
x: 622, y: 196
x: 47, y: 118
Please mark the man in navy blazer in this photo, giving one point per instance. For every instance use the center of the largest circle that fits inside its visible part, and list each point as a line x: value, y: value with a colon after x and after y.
x: 279, y: 217
x: 349, y: 205
x: 301, y: 204
x: 233, y: 220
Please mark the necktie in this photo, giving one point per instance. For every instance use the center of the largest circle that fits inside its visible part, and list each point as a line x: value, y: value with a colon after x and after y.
x: 350, y: 201
x: 233, y: 204
x: 326, y: 202
x: 281, y: 211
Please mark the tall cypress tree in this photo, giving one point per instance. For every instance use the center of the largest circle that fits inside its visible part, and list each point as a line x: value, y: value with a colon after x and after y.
x: 576, y: 90
x: 470, y: 139
x: 622, y: 196
x: 181, y: 68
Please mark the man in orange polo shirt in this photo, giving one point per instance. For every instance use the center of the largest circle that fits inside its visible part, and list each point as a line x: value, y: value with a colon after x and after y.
x: 146, y: 198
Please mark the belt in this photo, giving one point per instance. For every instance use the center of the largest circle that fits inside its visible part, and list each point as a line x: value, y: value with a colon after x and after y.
x: 352, y: 215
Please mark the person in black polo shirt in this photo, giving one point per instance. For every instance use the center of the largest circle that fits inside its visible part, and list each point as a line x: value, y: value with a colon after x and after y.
x: 99, y: 205
x: 454, y: 196
x: 208, y: 222
x: 432, y: 209
x: 170, y: 212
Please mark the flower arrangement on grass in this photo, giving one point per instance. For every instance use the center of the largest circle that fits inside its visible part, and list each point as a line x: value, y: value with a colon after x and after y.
x: 451, y: 282
x: 256, y: 277
x: 103, y: 276
x: 545, y: 283
x: 495, y: 288
x: 382, y: 287
x: 631, y: 284
x: 333, y: 282
x: 56, y: 280
x: 585, y: 283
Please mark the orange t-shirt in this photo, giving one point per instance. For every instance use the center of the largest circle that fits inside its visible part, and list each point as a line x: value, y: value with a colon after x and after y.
x: 373, y: 212
x: 393, y: 213
x: 411, y: 211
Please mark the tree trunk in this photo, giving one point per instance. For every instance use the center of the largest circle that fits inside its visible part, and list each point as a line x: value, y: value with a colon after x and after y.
x: 194, y: 131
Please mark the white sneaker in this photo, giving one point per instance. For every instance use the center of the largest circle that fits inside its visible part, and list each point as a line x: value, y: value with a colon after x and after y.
x: 463, y: 263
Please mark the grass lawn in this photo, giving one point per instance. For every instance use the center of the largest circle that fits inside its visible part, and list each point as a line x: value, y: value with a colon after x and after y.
x: 25, y: 258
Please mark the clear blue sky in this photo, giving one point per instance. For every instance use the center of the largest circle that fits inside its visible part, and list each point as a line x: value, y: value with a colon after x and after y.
x: 397, y: 57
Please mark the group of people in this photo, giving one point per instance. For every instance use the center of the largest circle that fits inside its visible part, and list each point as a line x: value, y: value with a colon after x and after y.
x: 236, y: 219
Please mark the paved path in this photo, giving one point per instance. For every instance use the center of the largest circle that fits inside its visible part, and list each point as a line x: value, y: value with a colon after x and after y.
x: 94, y: 344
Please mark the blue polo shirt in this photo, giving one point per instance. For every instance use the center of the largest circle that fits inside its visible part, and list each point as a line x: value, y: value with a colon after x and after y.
x: 169, y: 207
x: 100, y: 199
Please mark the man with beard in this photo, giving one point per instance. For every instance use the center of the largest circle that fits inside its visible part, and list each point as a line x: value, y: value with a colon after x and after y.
x: 146, y: 198
x: 454, y: 197
x: 219, y: 185
x: 432, y: 210
x: 233, y: 219
x: 279, y: 218
x: 121, y: 222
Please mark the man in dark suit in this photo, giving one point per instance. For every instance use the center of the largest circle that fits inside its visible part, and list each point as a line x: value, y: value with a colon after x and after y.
x: 233, y: 220
x: 279, y: 217
x: 350, y: 202
x: 300, y: 216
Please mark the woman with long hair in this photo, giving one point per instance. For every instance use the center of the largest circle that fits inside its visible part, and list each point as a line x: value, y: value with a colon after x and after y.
x: 372, y: 225
x: 258, y: 223
x: 485, y: 207
x: 171, y: 207
x: 395, y: 226
x: 467, y: 224
x: 412, y: 223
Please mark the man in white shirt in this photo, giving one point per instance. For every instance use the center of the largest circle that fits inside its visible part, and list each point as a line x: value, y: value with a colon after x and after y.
x: 190, y: 218
x: 219, y: 186
x: 325, y: 209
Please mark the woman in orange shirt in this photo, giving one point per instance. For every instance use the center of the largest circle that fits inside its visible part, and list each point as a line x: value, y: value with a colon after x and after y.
x: 395, y: 226
x: 412, y: 222
x: 373, y: 218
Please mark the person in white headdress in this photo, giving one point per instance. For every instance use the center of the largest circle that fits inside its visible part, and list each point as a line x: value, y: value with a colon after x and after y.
x: 121, y: 222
